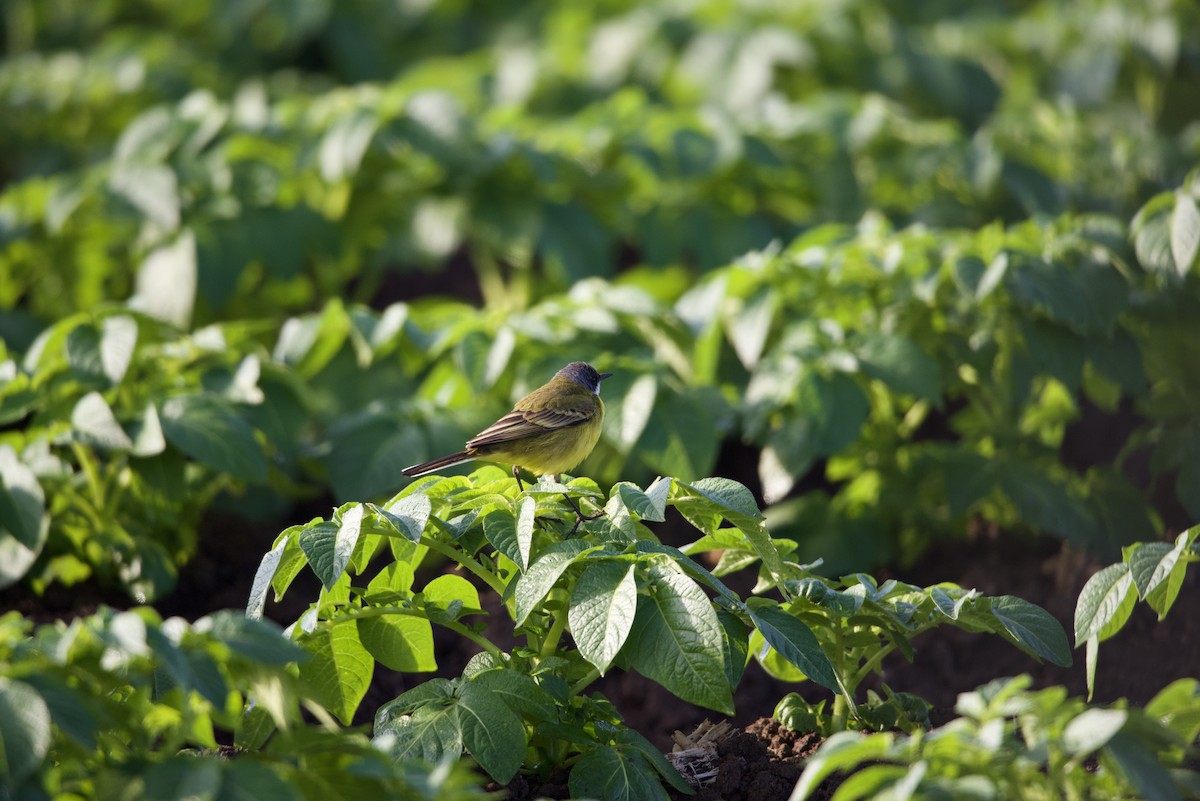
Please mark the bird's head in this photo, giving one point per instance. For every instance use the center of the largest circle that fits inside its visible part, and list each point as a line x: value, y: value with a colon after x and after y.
x: 583, y: 374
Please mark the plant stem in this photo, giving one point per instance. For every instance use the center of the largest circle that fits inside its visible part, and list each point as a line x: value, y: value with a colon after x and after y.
x: 555, y: 634
x: 466, y: 561
x: 583, y: 683
x: 89, y: 470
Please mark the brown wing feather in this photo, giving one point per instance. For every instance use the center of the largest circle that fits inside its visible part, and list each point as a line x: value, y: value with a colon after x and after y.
x: 521, y: 423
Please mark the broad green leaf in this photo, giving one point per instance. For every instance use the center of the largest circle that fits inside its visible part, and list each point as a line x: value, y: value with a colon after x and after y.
x: 307, y: 344
x: 253, y: 781
x: 530, y: 587
x: 262, y: 581
x: 1152, y: 234
x: 635, y: 410
x: 448, y: 588
x: 613, y: 775
x: 676, y: 640
x: 147, y: 434
x: 1145, y: 771
x: 1103, y: 601
x: 1092, y: 729
x: 96, y: 425
x: 430, y: 732
x: 603, y: 604
x: 669, y: 444
x: 1033, y: 628
x: 83, y: 352
x: 166, y: 282
x: 338, y: 669
x: 24, y: 524
x: 183, y: 778
x: 795, y: 642
x: 118, y: 341
x: 901, y: 364
x: 24, y: 731
x: 258, y: 640
x: 408, y: 515
x: 320, y: 546
x: 293, y: 559
x: 641, y: 504
x: 500, y: 528
x: 207, y: 428
x: 526, y: 512
x: 491, y: 731
x: 841, y: 751
x: 1185, y: 232
x: 521, y: 693
x: 748, y: 326
x: 1158, y: 568
x: 399, y: 642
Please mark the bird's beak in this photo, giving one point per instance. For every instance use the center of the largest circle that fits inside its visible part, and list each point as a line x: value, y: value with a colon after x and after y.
x: 605, y: 375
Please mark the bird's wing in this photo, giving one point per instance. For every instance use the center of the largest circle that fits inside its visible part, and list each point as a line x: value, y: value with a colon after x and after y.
x: 521, y: 423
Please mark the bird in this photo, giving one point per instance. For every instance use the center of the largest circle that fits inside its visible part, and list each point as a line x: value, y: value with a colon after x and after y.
x: 548, y: 432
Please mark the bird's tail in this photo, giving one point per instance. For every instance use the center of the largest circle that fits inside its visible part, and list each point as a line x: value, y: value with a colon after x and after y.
x: 437, y: 464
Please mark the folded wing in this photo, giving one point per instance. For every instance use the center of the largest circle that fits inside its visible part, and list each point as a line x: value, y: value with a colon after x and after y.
x: 521, y: 423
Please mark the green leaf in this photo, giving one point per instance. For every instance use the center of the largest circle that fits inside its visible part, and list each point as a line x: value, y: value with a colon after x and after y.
x: 338, y: 669
x: 530, y: 587
x: 492, y: 733
x: 1157, y: 569
x: 449, y: 588
x: 900, y: 363
x: 252, y: 781
x: 612, y: 775
x: 207, y: 428
x: 307, y: 344
x: 641, y: 504
x: 521, y: 693
x: 421, y: 724
x: 147, y: 434
x: 24, y: 524
x: 24, y: 732
x: 603, y: 604
x: 97, y: 426
x: 166, y: 282
x: 841, y: 751
x: 1141, y: 766
x: 500, y: 528
x: 676, y: 640
x: 319, y: 543
x: 1185, y: 232
x: 1102, y: 602
x: 258, y: 640
x: 1092, y: 729
x: 367, y: 458
x: 748, y: 326
x: 795, y: 642
x: 409, y: 515
x: 634, y: 412
x: 262, y: 581
x: 1034, y: 629
x: 183, y: 778
x: 399, y: 642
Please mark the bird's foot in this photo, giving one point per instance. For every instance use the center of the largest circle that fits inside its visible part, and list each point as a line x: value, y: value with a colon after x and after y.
x: 516, y: 471
x: 580, y: 517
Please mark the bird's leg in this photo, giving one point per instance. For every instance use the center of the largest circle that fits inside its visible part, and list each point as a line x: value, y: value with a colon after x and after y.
x: 579, y: 515
x: 517, y: 476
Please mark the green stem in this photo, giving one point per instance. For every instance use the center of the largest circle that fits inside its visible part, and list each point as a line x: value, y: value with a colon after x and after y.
x: 466, y: 561
x: 88, y: 465
x: 453, y: 625
x: 871, y: 665
x: 583, y: 683
x: 555, y: 634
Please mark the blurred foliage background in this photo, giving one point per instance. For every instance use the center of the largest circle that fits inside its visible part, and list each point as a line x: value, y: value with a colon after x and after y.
x: 901, y: 268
